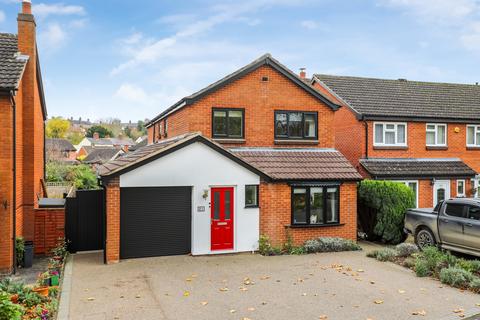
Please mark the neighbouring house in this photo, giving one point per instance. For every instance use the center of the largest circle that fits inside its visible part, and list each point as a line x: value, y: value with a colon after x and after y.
x: 423, y: 134
x: 22, y: 119
x: 251, y: 154
x: 96, y: 141
x: 100, y: 155
x: 60, y: 150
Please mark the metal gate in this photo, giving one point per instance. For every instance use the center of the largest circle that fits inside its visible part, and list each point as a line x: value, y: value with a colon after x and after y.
x: 84, y: 220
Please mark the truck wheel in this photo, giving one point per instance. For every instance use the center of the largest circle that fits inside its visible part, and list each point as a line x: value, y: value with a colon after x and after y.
x: 425, y: 238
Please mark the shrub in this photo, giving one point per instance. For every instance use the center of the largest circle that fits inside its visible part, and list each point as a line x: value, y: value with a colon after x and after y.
x: 82, y: 176
x: 382, y: 207
x: 9, y: 310
x: 421, y: 268
x: 387, y: 254
x: 19, y: 250
x: 265, y: 248
x: 372, y: 254
x: 472, y: 266
x: 406, y: 249
x: 327, y: 244
x: 456, y: 277
x: 475, y: 284
x: 409, y: 262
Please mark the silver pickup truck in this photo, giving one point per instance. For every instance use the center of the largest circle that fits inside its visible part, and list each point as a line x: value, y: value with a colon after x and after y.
x: 453, y: 224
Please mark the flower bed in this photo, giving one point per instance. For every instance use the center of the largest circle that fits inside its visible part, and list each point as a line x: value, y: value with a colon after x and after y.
x: 432, y: 262
x: 322, y: 244
x: 21, y: 302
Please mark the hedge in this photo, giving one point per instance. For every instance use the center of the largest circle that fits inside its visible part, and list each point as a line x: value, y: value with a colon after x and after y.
x: 382, y: 207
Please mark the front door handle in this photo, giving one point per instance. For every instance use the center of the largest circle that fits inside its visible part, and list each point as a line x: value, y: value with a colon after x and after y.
x: 468, y: 225
x: 444, y: 220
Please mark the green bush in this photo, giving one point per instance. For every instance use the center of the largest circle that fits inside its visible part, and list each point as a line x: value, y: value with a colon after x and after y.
x: 456, y: 277
x: 406, y: 249
x: 421, y: 268
x: 382, y: 207
x: 472, y: 266
x: 265, y: 248
x: 19, y: 250
x: 373, y: 254
x: 81, y: 176
x: 409, y: 262
x: 475, y: 284
x: 328, y: 244
x: 9, y: 310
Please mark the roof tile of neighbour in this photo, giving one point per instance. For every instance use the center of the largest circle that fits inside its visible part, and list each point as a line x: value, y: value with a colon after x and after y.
x: 142, y: 143
x: 299, y: 164
x: 417, y: 168
x: 11, y: 64
x: 101, y: 155
x: 406, y: 99
x: 266, y: 59
x: 59, y: 145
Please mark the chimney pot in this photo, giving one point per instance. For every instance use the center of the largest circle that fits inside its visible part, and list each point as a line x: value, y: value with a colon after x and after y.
x: 303, y: 73
x: 27, y: 7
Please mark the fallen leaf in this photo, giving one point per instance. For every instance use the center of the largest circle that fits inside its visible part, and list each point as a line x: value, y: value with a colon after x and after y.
x: 137, y: 296
x: 223, y: 289
x: 378, y: 301
x: 121, y: 297
x: 323, y: 317
x: 243, y: 289
x: 304, y: 294
x: 459, y: 310
x: 186, y: 293
x: 188, y: 279
x: 251, y: 309
x: 477, y: 304
x: 372, y: 282
x: 194, y: 275
x: 233, y: 311
x: 265, y: 278
x: 360, y: 270
x: 90, y: 299
x: 401, y: 291
x: 245, y: 318
x: 204, y: 303
x: 419, y: 313
x: 264, y: 303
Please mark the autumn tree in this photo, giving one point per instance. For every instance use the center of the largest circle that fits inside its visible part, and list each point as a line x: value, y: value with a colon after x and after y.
x: 101, y: 130
x: 57, y: 127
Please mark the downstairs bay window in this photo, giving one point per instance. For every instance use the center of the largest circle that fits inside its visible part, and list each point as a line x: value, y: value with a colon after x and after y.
x: 312, y: 205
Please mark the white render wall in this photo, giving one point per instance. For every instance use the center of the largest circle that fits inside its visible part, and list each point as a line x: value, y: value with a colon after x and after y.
x: 201, y: 167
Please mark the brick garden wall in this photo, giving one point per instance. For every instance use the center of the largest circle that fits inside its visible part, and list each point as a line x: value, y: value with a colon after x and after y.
x: 112, y: 199
x: 49, y: 226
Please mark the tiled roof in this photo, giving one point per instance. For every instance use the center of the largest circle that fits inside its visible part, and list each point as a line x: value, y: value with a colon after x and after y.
x: 59, y: 145
x: 412, y: 168
x: 299, y: 164
x: 406, y: 99
x: 101, y: 155
x: 142, y: 143
x: 276, y: 164
x: 11, y: 64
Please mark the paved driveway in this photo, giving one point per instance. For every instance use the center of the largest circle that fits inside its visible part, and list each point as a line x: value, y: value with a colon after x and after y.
x: 253, y: 287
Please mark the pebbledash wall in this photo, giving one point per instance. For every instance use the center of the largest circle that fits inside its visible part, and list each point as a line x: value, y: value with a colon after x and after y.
x: 202, y: 168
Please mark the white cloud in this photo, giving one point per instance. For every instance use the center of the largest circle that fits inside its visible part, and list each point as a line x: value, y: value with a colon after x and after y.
x: 131, y: 93
x: 2, y: 16
x: 309, y: 24
x: 53, y: 37
x: 152, y: 50
x: 43, y: 10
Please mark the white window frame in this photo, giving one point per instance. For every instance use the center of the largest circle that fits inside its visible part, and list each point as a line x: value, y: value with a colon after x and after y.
x: 435, y: 131
x: 406, y: 182
x: 395, y: 130
x: 476, y: 129
x: 461, y: 195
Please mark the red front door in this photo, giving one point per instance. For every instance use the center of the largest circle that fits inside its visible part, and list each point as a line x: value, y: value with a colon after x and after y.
x: 222, y: 218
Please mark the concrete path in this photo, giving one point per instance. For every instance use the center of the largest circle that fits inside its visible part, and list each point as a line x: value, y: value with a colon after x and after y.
x: 337, y: 285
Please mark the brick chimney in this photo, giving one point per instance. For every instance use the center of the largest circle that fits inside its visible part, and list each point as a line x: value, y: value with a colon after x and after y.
x: 96, y: 136
x: 303, y: 73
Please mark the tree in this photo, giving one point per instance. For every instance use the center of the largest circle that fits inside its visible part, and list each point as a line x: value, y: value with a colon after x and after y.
x: 57, y: 127
x: 75, y: 137
x: 141, y: 127
x: 101, y: 130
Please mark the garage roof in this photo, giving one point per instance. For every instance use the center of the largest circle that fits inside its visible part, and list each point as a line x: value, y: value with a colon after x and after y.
x: 154, y: 151
x: 299, y: 164
x: 278, y: 164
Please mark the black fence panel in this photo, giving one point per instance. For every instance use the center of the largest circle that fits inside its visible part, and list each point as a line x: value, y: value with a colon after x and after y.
x: 85, y: 220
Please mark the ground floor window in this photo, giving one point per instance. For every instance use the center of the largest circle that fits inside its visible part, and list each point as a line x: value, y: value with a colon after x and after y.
x: 460, y: 188
x: 413, y: 185
x: 315, y: 205
x: 251, y: 196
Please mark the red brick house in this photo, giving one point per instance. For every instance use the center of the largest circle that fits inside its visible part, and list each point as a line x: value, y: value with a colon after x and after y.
x: 424, y: 134
x: 22, y: 119
x: 251, y: 154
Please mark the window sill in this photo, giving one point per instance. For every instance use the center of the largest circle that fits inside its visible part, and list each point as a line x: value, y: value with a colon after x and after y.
x: 226, y: 140
x: 473, y: 148
x: 436, y: 147
x: 295, y: 141
x: 390, y: 147
x: 294, y: 226
x: 252, y: 207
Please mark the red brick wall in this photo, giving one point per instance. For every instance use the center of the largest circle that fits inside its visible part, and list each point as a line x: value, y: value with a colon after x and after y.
x: 113, y: 220
x: 6, y: 186
x: 260, y: 100
x: 275, y: 215
x: 49, y: 227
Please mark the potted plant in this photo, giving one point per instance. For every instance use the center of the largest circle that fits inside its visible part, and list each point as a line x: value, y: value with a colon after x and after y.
x: 43, y: 283
x: 54, y: 278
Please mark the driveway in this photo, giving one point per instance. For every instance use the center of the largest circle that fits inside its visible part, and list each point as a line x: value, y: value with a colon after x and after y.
x: 244, y: 286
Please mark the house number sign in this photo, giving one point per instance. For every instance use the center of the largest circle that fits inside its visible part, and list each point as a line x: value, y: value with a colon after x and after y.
x: 201, y: 209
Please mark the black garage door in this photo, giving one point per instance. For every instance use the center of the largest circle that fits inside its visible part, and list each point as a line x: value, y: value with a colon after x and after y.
x: 155, y: 221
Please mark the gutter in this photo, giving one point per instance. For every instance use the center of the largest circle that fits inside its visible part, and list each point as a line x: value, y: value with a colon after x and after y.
x: 14, y: 200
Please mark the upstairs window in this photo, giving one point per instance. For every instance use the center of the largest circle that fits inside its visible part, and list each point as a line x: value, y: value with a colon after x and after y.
x: 390, y: 134
x: 436, y: 135
x: 473, y: 136
x: 296, y: 125
x: 228, y: 123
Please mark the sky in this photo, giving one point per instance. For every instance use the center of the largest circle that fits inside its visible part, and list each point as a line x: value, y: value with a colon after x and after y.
x: 133, y: 59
